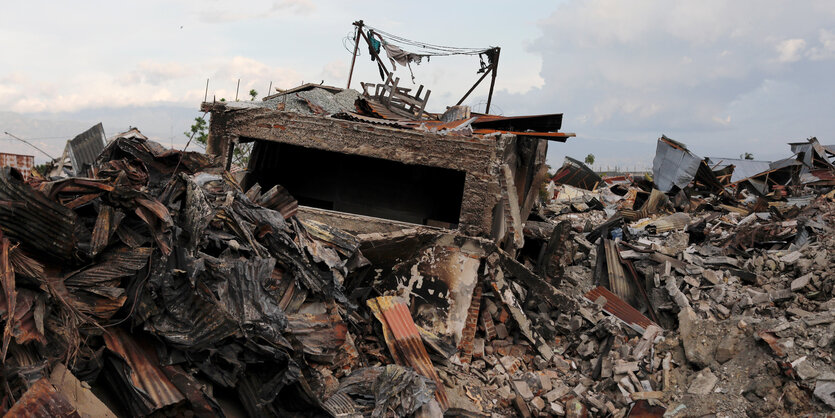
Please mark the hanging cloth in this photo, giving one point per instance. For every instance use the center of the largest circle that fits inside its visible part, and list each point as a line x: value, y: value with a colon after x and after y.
x: 399, y: 56
x: 374, y: 45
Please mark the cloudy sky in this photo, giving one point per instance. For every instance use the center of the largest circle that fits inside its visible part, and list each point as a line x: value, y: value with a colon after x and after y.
x: 725, y: 77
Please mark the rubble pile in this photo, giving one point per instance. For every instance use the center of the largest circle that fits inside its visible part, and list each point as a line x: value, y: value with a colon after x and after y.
x: 722, y: 291
x: 155, y: 285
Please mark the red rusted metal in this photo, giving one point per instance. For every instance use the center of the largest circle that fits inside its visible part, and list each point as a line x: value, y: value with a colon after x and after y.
x: 145, y: 374
x: 408, y: 344
x: 42, y: 400
x: 321, y: 335
x: 9, y: 295
x: 620, y: 309
x: 24, y: 163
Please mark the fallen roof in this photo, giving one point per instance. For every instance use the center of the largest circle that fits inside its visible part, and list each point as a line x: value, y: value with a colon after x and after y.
x: 674, y: 165
x: 577, y: 174
x: 347, y: 104
x: 85, y: 147
x: 742, y: 168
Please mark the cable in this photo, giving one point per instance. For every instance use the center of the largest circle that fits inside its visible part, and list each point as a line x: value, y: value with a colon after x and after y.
x: 425, y: 48
x: 349, y: 39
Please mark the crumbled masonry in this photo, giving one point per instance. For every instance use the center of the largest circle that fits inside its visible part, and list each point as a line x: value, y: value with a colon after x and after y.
x: 166, y: 283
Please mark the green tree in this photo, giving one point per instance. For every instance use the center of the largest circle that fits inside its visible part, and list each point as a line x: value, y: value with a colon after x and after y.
x: 42, y: 169
x: 747, y: 156
x: 590, y: 159
x: 252, y: 94
x: 199, y: 131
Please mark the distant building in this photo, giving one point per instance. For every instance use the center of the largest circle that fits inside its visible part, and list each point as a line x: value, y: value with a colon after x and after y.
x: 23, y: 163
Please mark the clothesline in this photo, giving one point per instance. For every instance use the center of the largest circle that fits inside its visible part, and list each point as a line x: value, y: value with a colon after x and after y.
x: 427, y: 49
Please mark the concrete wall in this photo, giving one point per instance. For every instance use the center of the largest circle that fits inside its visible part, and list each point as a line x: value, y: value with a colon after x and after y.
x: 474, y: 155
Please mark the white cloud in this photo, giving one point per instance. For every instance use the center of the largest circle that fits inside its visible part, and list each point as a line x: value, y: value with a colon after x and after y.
x: 225, y: 12
x: 790, y: 50
x: 826, y: 49
x: 300, y: 7
x: 627, y: 72
x: 149, y: 83
x: 335, y: 73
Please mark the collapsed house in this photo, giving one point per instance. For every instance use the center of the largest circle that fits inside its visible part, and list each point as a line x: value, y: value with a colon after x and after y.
x: 343, y: 253
x: 351, y: 161
x: 163, y: 283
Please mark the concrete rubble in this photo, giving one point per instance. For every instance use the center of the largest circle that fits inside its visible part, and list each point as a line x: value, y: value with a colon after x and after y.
x: 159, y: 282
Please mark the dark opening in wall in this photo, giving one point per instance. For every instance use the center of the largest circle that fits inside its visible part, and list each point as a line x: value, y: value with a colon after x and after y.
x: 360, y: 185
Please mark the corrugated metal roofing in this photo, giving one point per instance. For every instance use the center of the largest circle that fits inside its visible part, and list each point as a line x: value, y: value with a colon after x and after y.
x: 673, y: 165
x: 407, y: 346
x: 42, y: 400
x: 742, y: 168
x: 85, y: 148
x: 577, y: 174
x: 620, y: 309
x: 48, y: 227
x: 147, y: 380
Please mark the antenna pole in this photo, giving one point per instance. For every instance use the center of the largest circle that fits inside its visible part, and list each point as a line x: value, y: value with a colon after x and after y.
x: 30, y: 144
x: 356, y: 48
x: 493, y: 79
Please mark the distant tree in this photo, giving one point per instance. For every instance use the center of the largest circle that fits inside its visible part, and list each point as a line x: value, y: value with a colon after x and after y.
x: 590, y: 159
x: 199, y: 131
x: 42, y: 169
x: 253, y: 94
x: 747, y: 156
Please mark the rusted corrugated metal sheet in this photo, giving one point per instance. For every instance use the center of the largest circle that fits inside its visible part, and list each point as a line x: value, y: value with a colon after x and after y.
x: 23, y: 326
x: 42, y: 400
x: 575, y: 173
x: 551, y: 136
x: 278, y: 198
x: 9, y: 295
x: 618, y: 281
x: 406, y: 345
x: 96, y: 290
x: 321, y: 335
x: 141, y: 382
x: 43, y: 226
x: 537, y: 123
x: 106, y: 224
x: 24, y: 163
x: 620, y: 309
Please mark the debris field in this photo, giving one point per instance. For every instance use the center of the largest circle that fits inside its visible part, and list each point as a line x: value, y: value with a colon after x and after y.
x: 148, y: 281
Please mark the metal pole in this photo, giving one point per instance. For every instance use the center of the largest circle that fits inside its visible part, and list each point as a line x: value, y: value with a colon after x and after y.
x: 356, y: 48
x: 493, y: 79
x: 474, y: 86
x: 377, y: 56
x: 236, y: 89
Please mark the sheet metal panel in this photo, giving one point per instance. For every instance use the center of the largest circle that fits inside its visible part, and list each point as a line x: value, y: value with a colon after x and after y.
x: 42, y: 400
x: 673, y: 165
x: 85, y: 148
x: 743, y: 169
x: 620, y: 309
x: 575, y: 173
x: 143, y: 369
x: 407, y: 343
